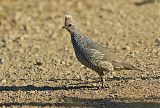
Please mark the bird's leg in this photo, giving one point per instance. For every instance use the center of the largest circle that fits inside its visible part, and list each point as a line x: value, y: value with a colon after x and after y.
x: 102, y: 81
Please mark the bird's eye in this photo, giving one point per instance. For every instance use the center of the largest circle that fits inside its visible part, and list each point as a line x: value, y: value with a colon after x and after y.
x: 69, y: 25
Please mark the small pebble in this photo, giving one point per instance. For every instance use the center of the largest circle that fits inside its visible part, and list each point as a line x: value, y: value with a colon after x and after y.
x: 157, y: 41
x: 126, y: 48
x: 39, y: 63
x: 94, y: 84
x: 62, y: 62
x: 4, y: 81
x: 32, y: 91
x: 111, y: 95
x: 1, y: 60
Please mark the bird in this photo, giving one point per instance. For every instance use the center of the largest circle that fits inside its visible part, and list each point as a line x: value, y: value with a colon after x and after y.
x: 93, y: 55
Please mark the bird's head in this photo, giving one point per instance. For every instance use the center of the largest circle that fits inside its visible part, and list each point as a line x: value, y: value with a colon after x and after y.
x: 69, y: 24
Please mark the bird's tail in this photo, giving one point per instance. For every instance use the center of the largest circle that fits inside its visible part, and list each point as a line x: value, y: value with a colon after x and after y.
x: 130, y: 67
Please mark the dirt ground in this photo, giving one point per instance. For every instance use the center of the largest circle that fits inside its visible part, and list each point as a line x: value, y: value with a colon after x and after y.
x: 38, y: 67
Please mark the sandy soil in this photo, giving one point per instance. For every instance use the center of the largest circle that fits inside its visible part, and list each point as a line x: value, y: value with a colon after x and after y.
x: 38, y: 67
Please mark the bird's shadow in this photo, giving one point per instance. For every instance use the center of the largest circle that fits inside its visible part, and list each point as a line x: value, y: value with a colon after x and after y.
x: 137, y: 78
x: 78, y: 102
x: 73, y: 86
x: 43, y: 88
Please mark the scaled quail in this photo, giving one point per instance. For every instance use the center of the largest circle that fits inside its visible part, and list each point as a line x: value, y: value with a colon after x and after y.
x: 91, y: 54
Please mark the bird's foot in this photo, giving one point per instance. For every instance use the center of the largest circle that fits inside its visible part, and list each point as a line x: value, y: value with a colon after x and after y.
x: 103, y: 83
x: 102, y: 86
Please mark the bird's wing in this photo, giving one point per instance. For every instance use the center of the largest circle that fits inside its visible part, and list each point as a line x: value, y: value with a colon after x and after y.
x: 97, y: 58
x: 109, y: 54
x: 106, y: 56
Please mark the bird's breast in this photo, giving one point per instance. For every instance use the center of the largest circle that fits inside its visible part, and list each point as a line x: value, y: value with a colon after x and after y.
x: 79, y: 48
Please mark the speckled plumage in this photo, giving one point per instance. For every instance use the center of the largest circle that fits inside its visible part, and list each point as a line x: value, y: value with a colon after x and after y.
x: 91, y: 54
x: 87, y: 53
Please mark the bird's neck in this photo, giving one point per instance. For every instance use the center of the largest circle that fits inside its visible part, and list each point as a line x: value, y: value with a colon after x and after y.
x: 75, y: 30
x: 79, y: 39
x: 76, y: 33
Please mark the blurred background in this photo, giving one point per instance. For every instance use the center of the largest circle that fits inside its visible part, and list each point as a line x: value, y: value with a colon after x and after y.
x: 37, y: 62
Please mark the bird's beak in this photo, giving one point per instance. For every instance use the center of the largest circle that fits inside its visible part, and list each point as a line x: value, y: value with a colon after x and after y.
x: 63, y: 27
